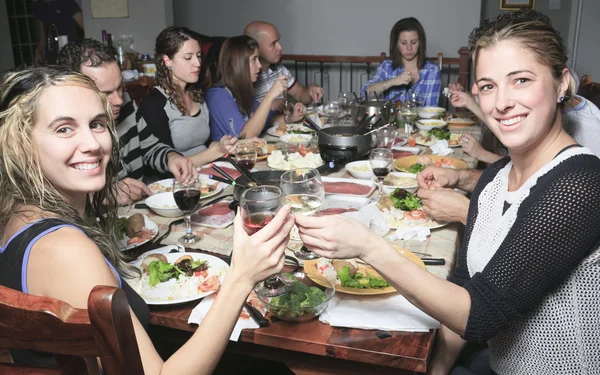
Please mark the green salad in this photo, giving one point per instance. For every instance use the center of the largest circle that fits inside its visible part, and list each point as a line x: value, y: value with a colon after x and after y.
x: 299, y: 301
x: 360, y: 281
x: 440, y: 133
x: 416, y: 168
x: 405, y: 200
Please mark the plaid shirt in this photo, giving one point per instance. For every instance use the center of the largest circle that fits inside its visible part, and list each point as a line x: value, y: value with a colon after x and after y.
x: 428, y: 87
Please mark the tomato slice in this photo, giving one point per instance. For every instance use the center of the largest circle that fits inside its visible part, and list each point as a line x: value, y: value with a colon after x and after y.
x: 412, y: 142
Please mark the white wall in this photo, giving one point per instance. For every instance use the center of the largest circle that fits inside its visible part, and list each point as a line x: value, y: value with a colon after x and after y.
x: 7, y: 60
x: 587, y: 51
x: 335, y: 27
x: 146, y: 19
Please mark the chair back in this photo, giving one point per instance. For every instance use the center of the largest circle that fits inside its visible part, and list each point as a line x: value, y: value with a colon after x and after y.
x: 76, y: 337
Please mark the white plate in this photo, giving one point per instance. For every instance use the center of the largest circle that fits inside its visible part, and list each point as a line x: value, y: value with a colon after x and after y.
x: 412, y: 150
x: 302, y: 139
x: 272, y: 129
x: 162, y: 186
x: 159, y: 295
x: 433, y: 225
x: 369, y: 183
x: 411, y: 188
x: 214, y: 221
x: 401, y: 143
x: 427, y: 124
x: 148, y: 224
x: 218, y: 189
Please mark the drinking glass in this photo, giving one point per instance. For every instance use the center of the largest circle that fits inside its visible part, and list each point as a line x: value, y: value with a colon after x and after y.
x: 246, y: 154
x: 304, y: 193
x: 381, y: 160
x: 258, y: 206
x: 331, y: 110
x: 409, y: 114
x: 187, y: 196
x: 345, y: 101
x: 386, y: 137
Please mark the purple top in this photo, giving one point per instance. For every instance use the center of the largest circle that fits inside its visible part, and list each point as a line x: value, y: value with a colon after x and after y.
x: 225, y: 115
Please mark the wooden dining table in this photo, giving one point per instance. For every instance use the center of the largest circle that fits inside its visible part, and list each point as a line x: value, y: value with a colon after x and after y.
x: 310, y: 347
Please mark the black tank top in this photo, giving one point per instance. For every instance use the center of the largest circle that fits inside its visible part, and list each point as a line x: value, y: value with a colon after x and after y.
x: 13, y: 274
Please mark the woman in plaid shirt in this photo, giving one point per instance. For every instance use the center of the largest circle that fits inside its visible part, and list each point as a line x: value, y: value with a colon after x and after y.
x: 408, y: 67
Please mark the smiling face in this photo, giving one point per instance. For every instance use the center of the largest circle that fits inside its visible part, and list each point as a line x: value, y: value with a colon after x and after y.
x: 269, y: 45
x: 517, y: 94
x: 72, y: 140
x: 255, y: 65
x: 185, y: 64
x: 408, y: 44
x: 109, y: 81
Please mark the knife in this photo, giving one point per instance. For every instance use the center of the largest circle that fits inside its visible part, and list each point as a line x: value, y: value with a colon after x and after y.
x: 256, y: 315
x: 434, y: 261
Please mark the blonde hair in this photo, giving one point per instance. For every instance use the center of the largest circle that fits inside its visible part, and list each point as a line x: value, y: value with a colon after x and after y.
x: 538, y: 38
x: 22, y: 181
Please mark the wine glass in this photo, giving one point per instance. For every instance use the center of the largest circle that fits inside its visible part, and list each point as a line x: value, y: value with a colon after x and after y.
x: 409, y: 115
x: 187, y: 196
x: 246, y: 154
x: 259, y: 205
x: 381, y: 160
x: 386, y: 137
x: 304, y: 193
x: 345, y: 101
x: 331, y: 110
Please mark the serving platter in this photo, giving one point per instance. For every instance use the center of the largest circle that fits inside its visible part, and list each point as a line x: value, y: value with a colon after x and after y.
x: 338, y: 180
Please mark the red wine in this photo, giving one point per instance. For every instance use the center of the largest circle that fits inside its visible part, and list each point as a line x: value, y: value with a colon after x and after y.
x: 247, y: 163
x: 187, y: 200
x: 380, y: 173
x: 255, y: 222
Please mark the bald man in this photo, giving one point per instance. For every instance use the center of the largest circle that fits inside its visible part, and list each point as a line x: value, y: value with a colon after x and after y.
x: 269, y: 49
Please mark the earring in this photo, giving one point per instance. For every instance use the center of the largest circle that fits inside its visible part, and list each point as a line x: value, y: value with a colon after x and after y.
x: 561, y: 98
x: 169, y: 67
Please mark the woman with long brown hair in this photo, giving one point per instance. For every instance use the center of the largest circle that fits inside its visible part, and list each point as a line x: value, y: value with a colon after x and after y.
x: 233, y: 109
x: 175, y: 111
x: 58, y: 155
x: 408, y: 67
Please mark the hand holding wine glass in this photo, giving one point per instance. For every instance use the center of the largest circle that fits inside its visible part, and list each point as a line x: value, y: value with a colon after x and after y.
x: 187, y: 196
x: 258, y: 206
x: 381, y: 160
x: 304, y: 193
x: 246, y: 153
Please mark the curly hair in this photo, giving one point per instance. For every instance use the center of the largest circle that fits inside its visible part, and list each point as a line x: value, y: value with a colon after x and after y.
x: 533, y: 31
x: 168, y: 43
x: 88, y: 52
x: 407, y: 24
x: 234, y: 70
x: 24, y: 186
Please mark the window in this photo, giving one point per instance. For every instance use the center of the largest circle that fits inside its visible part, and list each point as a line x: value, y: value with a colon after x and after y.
x: 23, y: 31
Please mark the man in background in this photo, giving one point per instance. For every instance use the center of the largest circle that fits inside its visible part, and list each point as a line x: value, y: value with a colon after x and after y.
x: 55, y: 18
x: 139, y: 148
x: 269, y: 49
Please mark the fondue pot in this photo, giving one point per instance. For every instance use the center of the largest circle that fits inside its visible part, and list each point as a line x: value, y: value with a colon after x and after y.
x: 263, y: 177
x: 343, y: 144
x: 385, y: 108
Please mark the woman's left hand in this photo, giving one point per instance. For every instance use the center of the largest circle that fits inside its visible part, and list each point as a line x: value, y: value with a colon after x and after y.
x: 227, y: 144
x: 336, y: 236
x: 297, y: 114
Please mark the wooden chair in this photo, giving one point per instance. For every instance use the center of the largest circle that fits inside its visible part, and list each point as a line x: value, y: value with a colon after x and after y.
x: 138, y: 88
x: 76, y: 337
x: 589, y: 90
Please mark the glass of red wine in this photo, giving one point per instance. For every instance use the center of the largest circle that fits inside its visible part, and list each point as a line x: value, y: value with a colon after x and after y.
x: 258, y: 206
x: 381, y: 160
x: 246, y: 154
x: 187, y: 196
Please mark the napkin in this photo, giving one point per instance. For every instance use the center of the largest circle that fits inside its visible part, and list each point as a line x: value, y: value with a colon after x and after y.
x: 391, y: 312
x: 200, y: 311
x: 441, y: 148
x: 410, y: 233
x: 372, y: 217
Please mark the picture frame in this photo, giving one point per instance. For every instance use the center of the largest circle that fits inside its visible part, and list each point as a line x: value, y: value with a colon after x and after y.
x: 516, y: 4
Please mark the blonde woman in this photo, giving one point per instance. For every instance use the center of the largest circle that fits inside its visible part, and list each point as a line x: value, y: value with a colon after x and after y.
x: 58, y: 150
